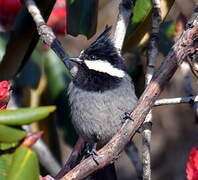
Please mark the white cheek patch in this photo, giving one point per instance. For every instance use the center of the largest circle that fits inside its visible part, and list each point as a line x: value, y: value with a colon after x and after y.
x: 105, y: 67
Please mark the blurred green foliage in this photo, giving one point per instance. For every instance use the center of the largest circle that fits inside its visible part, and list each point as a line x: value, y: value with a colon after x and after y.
x: 82, y: 17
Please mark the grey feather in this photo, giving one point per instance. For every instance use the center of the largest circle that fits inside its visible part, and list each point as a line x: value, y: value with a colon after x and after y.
x: 97, y: 115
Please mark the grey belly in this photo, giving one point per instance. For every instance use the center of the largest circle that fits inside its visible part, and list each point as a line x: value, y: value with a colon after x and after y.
x: 96, y: 116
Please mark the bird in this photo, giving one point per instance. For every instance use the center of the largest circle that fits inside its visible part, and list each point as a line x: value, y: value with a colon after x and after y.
x: 101, y: 92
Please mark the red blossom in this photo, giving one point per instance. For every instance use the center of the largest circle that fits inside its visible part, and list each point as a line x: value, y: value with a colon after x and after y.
x: 4, y: 94
x: 10, y: 8
x: 8, y: 12
x: 31, y: 139
x: 192, y: 165
x: 57, y: 19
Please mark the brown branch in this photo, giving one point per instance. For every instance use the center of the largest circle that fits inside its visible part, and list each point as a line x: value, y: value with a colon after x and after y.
x: 111, y: 151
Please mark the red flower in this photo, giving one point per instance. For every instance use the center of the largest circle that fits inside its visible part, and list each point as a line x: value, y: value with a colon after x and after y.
x: 10, y: 8
x: 8, y: 12
x: 4, y: 94
x: 57, y: 19
x: 192, y: 165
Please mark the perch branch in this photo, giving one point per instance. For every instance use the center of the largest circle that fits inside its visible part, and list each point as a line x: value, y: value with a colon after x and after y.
x: 46, y: 33
x: 182, y: 48
x: 151, y: 61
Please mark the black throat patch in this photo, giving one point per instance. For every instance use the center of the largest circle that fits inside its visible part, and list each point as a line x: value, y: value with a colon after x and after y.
x: 95, y: 81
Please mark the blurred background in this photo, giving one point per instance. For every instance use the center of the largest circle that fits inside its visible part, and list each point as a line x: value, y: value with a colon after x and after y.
x: 43, y: 80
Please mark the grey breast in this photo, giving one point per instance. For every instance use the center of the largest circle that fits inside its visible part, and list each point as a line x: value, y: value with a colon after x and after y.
x: 96, y: 116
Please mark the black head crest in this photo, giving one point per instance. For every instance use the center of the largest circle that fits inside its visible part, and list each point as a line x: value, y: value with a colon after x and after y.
x: 102, y: 46
x: 104, y: 36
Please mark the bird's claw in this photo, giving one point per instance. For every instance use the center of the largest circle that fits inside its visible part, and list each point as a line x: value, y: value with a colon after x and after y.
x: 126, y: 116
x: 91, y: 151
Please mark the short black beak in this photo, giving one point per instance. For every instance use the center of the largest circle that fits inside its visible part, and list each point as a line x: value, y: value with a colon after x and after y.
x: 76, y: 60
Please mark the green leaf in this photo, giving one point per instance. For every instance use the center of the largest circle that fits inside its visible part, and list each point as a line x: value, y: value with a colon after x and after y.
x: 8, y: 134
x: 165, y: 37
x: 4, y: 146
x: 140, y: 24
x: 82, y: 17
x: 2, y: 47
x: 24, y: 165
x: 25, y: 115
x: 5, y: 162
x: 169, y: 28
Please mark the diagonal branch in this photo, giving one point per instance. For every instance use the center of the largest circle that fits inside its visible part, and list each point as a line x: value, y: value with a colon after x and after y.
x: 111, y: 151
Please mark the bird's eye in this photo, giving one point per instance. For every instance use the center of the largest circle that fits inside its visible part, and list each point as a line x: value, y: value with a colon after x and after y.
x: 93, y: 57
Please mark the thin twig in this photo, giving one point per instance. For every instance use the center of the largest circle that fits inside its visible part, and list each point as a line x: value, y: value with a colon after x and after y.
x: 115, y: 146
x: 46, y: 33
x: 178, y: 100
x: 125, y: 7
x: 151, y: 61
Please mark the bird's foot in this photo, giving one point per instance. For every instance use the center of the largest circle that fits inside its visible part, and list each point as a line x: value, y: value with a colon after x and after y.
x: 126, y: 116
x: 90, y: 150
